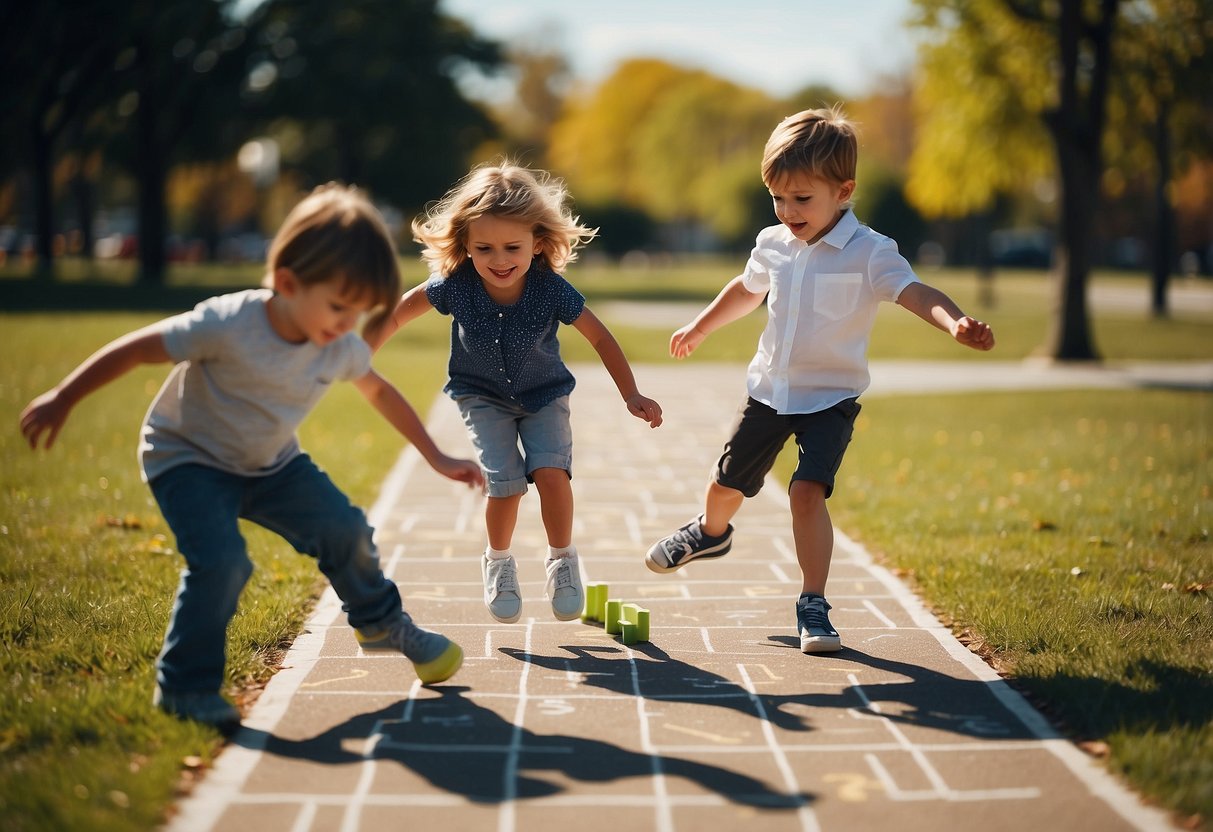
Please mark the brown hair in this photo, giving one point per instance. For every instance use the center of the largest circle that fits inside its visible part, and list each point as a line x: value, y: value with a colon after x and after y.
x: 336, y: 233
x: 509, y: 191
x: 820, y: 143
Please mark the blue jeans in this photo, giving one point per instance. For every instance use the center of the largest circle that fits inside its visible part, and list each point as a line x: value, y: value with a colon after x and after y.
x: 202, y: 504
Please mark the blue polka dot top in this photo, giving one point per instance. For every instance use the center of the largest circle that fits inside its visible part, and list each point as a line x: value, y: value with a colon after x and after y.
x: 507, y: 352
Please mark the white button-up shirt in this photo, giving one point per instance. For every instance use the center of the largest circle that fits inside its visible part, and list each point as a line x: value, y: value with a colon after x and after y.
x: 821, y: 304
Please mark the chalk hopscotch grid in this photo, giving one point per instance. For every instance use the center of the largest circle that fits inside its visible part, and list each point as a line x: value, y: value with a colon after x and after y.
x: 222, y: 787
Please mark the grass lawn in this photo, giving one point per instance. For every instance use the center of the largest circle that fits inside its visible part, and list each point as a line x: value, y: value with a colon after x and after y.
x: 1093, y: 507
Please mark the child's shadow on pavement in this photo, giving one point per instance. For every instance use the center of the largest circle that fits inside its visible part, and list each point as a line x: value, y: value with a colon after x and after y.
x: 926, y: 698
x: 463, y: 748
x: 665, y: 678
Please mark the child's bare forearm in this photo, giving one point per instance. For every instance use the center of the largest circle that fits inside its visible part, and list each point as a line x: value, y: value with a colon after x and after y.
x: 609, y: 352
x: 395, y: 408
x: 42, y: 418
x: 939, y: 310
x: 412, y: 304
x: 111, y: 362
x: 932, y: 305
x: 734, y: 301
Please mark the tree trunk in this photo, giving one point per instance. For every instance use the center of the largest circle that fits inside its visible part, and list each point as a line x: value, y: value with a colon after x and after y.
x: 151, y: 220
x: 151, y: 166
x: 986, y: 297
x: 1164, y: 216
x: 1077, y: 128
x: 1071, y: 336
x: 44, y: 207
x: 82, y: 191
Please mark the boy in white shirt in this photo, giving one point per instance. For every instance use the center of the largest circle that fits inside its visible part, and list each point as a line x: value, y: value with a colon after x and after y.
x: 823, y: 275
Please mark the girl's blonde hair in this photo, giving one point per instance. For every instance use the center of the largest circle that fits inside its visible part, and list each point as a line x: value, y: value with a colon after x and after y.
x: 511, y: 192
x: 819, y: 143
x: 336, y: 233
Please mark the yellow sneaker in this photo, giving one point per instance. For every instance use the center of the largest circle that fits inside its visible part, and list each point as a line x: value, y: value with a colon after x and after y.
x: 435, y: 657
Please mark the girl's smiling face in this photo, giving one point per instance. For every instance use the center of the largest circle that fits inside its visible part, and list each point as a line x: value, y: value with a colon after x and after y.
x: 501, y: 250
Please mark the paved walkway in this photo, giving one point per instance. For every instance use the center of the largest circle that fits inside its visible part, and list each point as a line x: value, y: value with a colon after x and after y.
x: 720, y: 722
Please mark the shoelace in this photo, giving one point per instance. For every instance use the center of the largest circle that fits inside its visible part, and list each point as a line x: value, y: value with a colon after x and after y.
x: 685, y: 539
x: 814, y: 617
x: 507, y: 578
x: 564, y: 575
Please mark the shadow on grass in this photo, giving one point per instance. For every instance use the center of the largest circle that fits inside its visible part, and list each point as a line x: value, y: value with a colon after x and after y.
x: 1158, y: 698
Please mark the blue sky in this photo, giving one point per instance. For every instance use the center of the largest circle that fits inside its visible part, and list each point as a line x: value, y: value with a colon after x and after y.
x: 776, y: 45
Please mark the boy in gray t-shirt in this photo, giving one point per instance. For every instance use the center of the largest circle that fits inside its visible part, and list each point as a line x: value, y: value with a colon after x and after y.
x: 219, y: 443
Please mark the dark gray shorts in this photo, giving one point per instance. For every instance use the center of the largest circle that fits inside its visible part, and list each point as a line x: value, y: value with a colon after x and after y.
x: 759, y: 434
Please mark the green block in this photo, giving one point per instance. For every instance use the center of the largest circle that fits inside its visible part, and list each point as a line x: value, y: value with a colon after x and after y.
x: 629, y: 633
x: 595, y: 602
x: 637, y: 616
x: 614, y: 613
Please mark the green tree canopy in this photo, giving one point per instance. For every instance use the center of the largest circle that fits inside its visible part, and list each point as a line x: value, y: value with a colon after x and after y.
x: 984, y: 80
x: 680, y: 144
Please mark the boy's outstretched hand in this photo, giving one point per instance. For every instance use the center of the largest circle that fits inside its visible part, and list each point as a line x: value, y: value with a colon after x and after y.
x: 44, y: 415
x: 642, y: 407
x: 684, y: 341
x: 974, y: 333
x: 460, y: 470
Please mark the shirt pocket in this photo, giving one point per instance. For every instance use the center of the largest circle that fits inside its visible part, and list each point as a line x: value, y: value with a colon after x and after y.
x: 836, y: 295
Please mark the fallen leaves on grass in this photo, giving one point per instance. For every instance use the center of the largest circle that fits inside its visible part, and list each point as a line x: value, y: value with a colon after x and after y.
x: 157, y: 544
x: 1194, y: 588
x: 1096, y: 748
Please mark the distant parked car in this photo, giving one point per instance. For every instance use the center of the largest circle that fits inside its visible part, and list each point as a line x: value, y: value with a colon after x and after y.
x: 1028, y: 248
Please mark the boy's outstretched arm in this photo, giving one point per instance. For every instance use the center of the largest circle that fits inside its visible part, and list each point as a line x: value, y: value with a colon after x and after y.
x: 47, y: 413
x: 616, y: 363
x: 389, y: 401
x: 413, y: 304
x: 939, y: 310
x: 734, y: 301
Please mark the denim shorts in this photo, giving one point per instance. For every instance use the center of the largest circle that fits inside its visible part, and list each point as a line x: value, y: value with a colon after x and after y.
x: 513, y: 443
x: 759, y: 434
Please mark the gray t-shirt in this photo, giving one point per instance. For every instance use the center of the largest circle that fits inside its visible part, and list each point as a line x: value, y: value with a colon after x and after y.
x: 238, y: 390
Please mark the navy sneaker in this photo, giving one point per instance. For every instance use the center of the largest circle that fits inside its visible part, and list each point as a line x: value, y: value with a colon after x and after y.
x: 817, y: 635
x: 687, y: 544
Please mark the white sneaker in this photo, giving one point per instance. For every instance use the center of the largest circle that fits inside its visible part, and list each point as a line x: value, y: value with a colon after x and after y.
x: 564, y: 587
x: 501, y: 594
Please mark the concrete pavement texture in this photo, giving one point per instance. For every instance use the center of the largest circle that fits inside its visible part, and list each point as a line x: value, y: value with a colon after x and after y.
x: 717, y: 722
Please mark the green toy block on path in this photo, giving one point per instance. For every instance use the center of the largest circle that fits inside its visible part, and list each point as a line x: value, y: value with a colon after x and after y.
x: 634, y: 623
x: 595, y: 602
x: 629, y: 621
x: 614, y: 614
